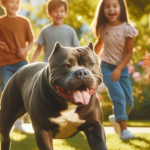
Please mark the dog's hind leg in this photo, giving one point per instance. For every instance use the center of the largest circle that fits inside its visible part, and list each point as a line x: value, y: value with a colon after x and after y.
x: 8, y: 116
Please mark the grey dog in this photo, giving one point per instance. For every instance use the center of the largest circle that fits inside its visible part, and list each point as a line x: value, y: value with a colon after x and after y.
x: 59, y: 96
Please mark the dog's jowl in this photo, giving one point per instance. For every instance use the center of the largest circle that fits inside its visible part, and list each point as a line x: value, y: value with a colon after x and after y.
x: 59, y: 96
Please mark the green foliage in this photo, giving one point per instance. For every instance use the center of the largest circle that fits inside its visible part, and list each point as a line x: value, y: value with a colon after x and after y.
x: 83, y: 8
x: 106, y: 104
x: 132, y: 123
x: 141, y: 99
x: 1, y: 11
x: 139, y: 16
x: 138, y: 8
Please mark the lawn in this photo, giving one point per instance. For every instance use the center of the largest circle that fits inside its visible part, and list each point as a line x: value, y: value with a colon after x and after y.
x: 26, y: 141
x: 131, y: 123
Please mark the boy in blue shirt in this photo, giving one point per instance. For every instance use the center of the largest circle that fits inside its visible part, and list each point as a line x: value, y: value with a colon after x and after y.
x: 55, y: 32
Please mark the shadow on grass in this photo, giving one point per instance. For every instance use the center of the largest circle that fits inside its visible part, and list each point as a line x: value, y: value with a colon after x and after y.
x: 78, y: 141
x: 26, y: 141
x: 20, y: 141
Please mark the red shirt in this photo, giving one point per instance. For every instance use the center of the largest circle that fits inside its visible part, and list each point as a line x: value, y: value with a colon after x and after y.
x: 15, y: 33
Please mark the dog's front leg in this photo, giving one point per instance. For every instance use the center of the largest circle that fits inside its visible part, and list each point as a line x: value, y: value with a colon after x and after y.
x: 96, y: 137
x: 44, y: 139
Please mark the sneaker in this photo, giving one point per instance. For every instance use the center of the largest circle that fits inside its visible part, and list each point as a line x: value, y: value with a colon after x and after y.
x: 18, y: 125
x: 116, y: 126
x: 126, y: 135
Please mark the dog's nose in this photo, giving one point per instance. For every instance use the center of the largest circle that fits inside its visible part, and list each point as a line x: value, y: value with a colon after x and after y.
x: 82, y: 73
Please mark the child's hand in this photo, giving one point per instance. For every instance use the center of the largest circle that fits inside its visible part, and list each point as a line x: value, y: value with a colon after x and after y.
x: 146, y: 62
x: 115, y: 76
x: 3, y: 46
x: 22, y: 52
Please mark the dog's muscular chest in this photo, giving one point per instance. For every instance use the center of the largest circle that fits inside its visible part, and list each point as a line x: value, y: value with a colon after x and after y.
x: 68, y: 122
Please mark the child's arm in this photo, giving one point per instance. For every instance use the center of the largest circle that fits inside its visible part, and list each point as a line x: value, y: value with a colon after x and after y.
x: 98, y: 45
x: 36, y: 53
x: 3, y: 46
x: 128, y: 55
x: 23, y: 51
x: 146, y: 62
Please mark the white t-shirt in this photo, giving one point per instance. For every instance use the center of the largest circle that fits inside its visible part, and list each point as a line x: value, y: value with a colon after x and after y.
x: 114, y: 42
x: 51, y: 34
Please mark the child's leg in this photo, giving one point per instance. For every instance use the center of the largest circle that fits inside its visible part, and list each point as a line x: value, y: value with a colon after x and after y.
x: 115, y: 92
x: 126, y: 85
x: 118, y: 97
x: 123, y: 125
x: 20, y: 65
x: 6, y: 73
x: 19, y: 122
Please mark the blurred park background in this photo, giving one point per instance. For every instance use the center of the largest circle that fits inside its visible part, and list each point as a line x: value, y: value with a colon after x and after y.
x: 80, y: 16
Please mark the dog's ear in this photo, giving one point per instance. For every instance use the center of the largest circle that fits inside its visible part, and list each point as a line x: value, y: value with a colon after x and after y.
x: 55, y: 49
x: 57, y: 45
x: 90, y: 45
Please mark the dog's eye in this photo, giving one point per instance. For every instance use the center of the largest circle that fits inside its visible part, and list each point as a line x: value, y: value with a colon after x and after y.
x: 91, y: 64
x: 66, y: 66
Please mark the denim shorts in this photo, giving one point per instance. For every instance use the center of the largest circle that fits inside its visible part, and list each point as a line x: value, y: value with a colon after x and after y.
x: 120, y: 92
x: 7, y: 71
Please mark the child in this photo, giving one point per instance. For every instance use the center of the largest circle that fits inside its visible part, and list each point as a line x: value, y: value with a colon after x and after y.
x: 111, y: 27
x: 55, y: 32
x: 146, y: 62
x: 15, y: 32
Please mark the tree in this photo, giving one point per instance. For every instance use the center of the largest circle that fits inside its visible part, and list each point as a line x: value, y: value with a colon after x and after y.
x: 83, y: 11
x: 1, y: 11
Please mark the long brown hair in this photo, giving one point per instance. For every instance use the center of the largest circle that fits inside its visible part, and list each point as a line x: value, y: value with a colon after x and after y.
x: 3, y: 2
x: 100, y: 19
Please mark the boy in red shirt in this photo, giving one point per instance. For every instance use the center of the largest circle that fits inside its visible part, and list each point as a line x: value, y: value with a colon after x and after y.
x: 16, y: 39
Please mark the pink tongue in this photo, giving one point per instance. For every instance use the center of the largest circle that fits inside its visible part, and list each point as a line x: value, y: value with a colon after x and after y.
x: 82, y: 97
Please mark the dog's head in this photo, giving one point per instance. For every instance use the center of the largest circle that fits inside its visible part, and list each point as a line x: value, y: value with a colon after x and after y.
x: 74, y: 72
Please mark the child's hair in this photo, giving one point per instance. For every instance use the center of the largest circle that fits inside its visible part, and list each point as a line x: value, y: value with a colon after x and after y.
x: 100, y: 19
x: 3, y: 2
x: 53, y: 4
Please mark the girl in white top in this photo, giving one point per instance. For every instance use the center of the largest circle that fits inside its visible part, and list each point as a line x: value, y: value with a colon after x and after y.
x: 115, y: 47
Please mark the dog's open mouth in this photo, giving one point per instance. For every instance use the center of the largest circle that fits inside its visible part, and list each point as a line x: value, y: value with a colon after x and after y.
x: 81, y: 96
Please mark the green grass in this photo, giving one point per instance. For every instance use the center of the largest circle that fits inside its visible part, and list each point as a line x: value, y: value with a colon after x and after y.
x: 26, y: 141
x: 137, y: 123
